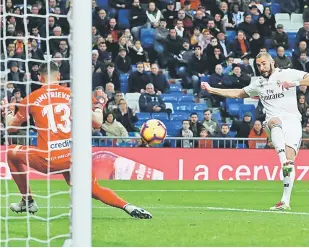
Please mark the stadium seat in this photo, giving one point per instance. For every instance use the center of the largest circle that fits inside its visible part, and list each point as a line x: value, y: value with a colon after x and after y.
x: 124, y: 78
x: 124, y: 87
x: 232, y: 133
x: 169, y: 98
x: 204, y: 78
x: 268, y: 43
x: 296, y: 18
x: 230, y: 35
x: 133, y: 68
x: 186, y: 98
x: 103, y: 4
x: 247, y: 108
x: 124, y: 18
x: 169, y: 106
x: 282, y: 17
x: 174, y: 132
x: 217, y: 116
x: 147, y: 37
x: 234, y: 109
x: 241, y: 146
x: 292, y: 38
x: 177, y: 124
x: 175, y: 88
x: 272, y: 52
x: 199, y: 107
x: 229, y: 101
x: 275, y: 8
x: 140, y: 122
x: 160, y: 116
x: 288, y: 53
x: 183, y: 107
x: 144, y: 116
x: 179, y: 116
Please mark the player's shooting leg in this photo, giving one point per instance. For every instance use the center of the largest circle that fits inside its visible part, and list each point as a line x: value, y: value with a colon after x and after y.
x: 277, y: 137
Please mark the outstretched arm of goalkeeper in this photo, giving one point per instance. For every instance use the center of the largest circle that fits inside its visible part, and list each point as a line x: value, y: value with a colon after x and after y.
x: 229, y: 93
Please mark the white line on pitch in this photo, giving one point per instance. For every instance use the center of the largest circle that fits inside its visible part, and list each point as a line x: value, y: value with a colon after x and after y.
x: 198, y: 208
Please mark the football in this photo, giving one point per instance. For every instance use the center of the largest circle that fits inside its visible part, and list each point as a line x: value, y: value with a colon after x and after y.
x: 153, y: 132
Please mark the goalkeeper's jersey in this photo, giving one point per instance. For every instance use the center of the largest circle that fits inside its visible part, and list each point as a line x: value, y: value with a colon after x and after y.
x: 50, y: 108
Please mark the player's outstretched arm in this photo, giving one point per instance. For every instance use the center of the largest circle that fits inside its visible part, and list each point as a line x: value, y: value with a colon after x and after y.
x: 10, y: 119
x: 229, y: 93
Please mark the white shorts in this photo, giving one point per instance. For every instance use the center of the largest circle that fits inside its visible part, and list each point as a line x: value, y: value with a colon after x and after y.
x: 292, y: 131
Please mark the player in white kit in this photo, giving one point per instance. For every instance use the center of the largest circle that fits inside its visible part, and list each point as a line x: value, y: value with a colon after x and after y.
x: 276, y: 89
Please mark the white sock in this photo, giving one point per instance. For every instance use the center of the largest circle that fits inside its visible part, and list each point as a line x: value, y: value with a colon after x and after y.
x: 288, y: 183
x: 279, y: 142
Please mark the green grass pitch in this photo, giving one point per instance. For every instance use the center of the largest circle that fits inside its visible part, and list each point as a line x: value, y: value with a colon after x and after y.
x: 185, y: 213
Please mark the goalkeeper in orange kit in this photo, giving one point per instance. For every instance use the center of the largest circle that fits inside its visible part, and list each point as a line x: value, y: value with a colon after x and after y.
x: 50, y: 108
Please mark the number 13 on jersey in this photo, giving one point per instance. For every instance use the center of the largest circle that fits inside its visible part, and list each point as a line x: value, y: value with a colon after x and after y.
x: 59, y: 117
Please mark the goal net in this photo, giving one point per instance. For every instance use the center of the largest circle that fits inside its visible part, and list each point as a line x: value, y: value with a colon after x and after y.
x: 34, y: 33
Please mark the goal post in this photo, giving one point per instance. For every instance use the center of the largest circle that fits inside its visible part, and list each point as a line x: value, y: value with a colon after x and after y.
x: 81, y: 133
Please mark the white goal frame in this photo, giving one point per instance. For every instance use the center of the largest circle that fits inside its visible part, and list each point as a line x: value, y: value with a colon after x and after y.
x: 81, y: 170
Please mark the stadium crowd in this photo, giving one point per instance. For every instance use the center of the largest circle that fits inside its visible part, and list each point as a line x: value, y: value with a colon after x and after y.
x: 161, y: 51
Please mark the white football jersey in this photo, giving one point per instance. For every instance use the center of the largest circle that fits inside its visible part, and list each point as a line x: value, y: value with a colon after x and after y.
x: 277, y: 102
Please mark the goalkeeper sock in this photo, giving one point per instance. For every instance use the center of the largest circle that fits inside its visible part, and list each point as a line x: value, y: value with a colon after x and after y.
x: 107, y: 196
x: 20, y: 177
x: 279, y: 142
x: 288, y: 183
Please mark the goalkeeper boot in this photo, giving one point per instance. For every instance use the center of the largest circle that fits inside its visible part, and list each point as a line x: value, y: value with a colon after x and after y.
x: 281, y: 206
x: 21, y: 206
x: 137, y: 212
x: 287, y: 168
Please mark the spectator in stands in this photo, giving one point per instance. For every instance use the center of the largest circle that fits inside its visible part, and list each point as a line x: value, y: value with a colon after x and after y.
x: 198, y: 68
x: 204, y: 142
x: 219, y: 23
x: 302, y: 63
x: 239, y: 79
x: 302, y: 48
x: 254, y: 12
x: 188, y: 10
x: 110, y: 90
x: 153, y: 15
x: 112, y: 127
x: 113, y: 103
x: 186, y: 133
x: 282, y: 61
x: 64, y: 67
x: 255, y: 44
x: 138, y: 80
x: 209, y: 51
x: 195, y: 126
x: 235, y: 17
x: 112, y: 29
x: 9, y: 6
x: 257, y: 132
x: 303, y: 90
x: 159, y: 80
x: 196, y: 36
x: 100, y: 22
x: 151, y: 102
x: 303, y: 33
x: 64, y: 49
x: 245, y: 66
x: 126, y: 116
x: 99, y: 66
x: 205, y: 39
x: 223, y: 143
x: 280, y: 38
x: 137, y: 53
x: 225, y: 46
x: 173, y: 46
x: 138, y: 19
x: 305, y: 136
x: 270, y: 19
x: 16, y: 98
x: 211, y: 26
x: 227, y: 65
x: 243, y: 127
x: 110, y: 75
x: 33, y: 51
x: 305, y: 118
x: 302, y: 104
x: 187, y: 21
x: 200, y: 22
x: 186, y: 54
x: 170, y: 14
x: 215, y: 59
x: 103, y: 53
x: 247, y: 26
x: 16, y: 76
x: 6, y: 92
x: 241, y: 45
x: 161, y: 32
x: 180, y: 31
x: 9, y: 56
x: 122, y: 61
x: 115, y: 6
x: 210, y: 125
